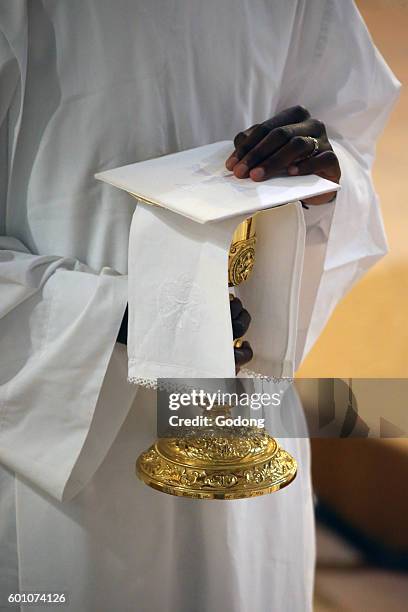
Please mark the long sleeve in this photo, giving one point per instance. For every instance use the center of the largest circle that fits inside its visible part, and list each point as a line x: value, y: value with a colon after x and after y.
x: 343, y: 81
x: 59, y: 320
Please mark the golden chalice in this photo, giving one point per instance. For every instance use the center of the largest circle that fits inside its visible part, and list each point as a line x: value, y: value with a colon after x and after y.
x: 211, y: 462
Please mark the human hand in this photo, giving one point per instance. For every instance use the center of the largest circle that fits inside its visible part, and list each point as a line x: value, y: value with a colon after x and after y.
x: 291, y: 143
x: 241, y: 320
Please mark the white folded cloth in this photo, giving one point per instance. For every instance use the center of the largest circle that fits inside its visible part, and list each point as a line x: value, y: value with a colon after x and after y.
x: 179, y: 314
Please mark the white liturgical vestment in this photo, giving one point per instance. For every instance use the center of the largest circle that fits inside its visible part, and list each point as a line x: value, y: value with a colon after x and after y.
x: 88, y: 85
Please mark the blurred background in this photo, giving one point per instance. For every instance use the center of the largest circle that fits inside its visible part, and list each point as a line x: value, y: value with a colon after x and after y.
x: 361, y: 485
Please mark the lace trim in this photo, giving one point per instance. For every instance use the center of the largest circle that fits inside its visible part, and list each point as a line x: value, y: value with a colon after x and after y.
x: 166, y: 385
x: 149, y: 383
x: 259, y: 376
x: 161, y: 385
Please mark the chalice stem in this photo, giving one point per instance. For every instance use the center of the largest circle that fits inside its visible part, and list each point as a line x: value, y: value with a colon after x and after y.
x: 241, y: 258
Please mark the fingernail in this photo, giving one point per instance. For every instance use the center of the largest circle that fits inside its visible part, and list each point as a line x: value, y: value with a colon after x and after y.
x: 241, y: 170
x: 231, y: 162
x: 293, y: 170
x: 257, y: 174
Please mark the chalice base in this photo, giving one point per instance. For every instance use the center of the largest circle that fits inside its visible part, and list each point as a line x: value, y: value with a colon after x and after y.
x: 237, y: 463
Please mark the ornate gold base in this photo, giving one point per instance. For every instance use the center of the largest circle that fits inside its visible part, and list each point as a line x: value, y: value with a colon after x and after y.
x: 232, y: 464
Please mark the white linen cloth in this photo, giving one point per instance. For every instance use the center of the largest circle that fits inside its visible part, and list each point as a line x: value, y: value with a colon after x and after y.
x: 178, y: 298
x: 89, y: 85
x: 179, y: 314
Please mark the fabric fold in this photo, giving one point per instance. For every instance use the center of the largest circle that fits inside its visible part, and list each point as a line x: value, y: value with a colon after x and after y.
x: 179, y: 315
x: 178, y: 297
x: 65, y: 330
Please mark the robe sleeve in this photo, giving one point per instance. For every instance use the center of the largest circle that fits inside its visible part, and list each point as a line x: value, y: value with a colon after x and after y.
x: 336, y: 72
x: 59, y: 322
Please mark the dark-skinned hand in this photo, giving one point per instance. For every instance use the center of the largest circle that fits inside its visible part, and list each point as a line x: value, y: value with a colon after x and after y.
x: 241, y: 320
x: 291, y: 142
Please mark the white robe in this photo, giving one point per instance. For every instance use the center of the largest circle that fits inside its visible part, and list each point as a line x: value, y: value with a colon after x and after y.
x: 88, y: 85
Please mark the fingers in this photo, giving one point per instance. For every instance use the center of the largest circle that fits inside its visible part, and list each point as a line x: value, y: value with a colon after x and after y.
x: 245, y: 141
x: 293, y: 114
x: 241, y: 324
x: 297, y: 148
x: 273, y: 143
x: 243, y: 354
x: 239, y: 138
x: 324, y: 164
x: 286, y: 143
x: 241, y: 318
x: 235, y: 306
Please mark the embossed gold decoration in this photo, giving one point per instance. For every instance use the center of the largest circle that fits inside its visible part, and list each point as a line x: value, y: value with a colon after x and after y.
x: 241, y: 256
x: 237, y: 463
x: 220, y: 463
x: 241, y: 261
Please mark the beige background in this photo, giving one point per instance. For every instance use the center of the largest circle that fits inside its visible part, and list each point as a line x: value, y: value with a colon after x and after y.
x: 368, y: 337
x: 368, y: 333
